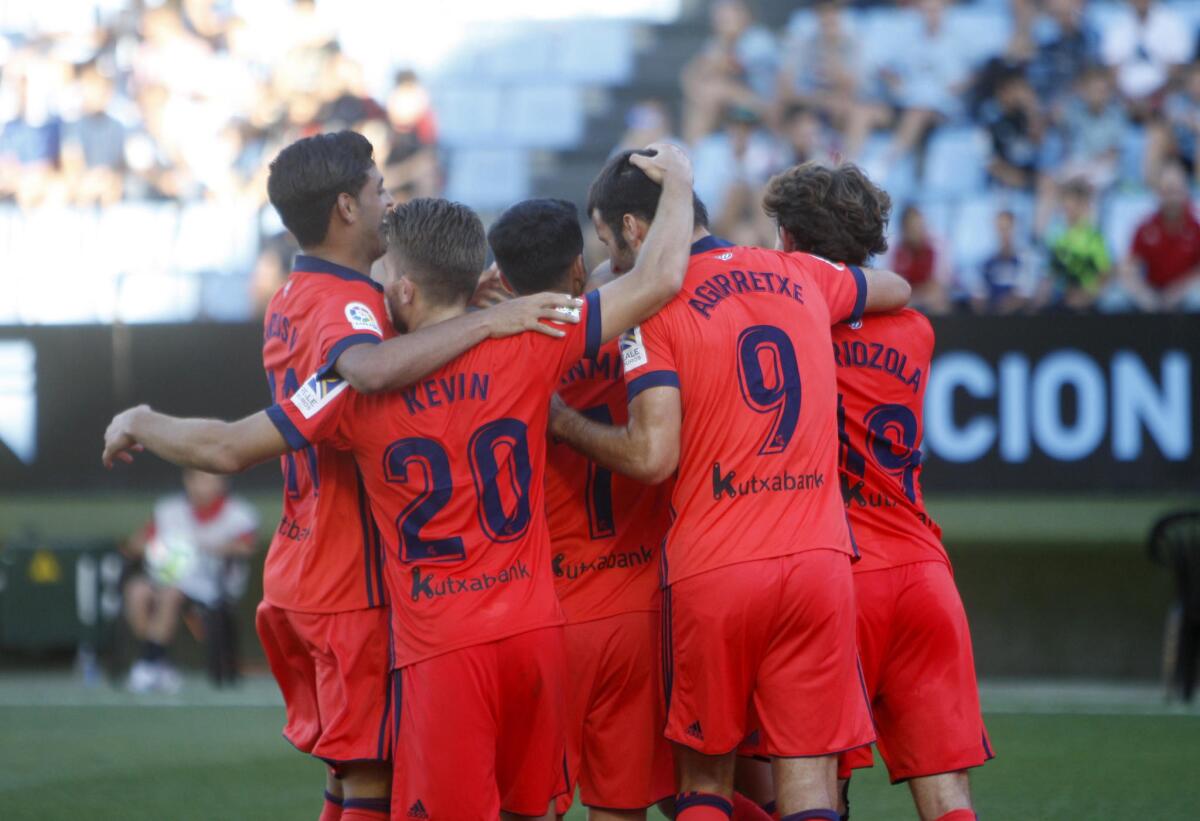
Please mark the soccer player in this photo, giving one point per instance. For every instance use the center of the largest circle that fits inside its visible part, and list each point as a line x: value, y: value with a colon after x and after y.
x: 732, y: 384
x: 454, y: 468
x: 913, y: 637
x: 323, y: 621
x: 605, y: 532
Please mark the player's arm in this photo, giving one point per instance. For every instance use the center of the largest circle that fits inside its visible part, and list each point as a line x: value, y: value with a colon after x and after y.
x: 646, y: 449
x: 663, y: 258
x: 886, y: 291
x: 407, y: 358
x: 203, y: 444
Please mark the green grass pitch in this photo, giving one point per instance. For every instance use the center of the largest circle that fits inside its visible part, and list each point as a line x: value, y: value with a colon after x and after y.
x: 111, y: 757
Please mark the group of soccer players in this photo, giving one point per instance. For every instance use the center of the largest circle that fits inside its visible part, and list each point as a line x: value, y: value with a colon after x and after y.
x: 471, y: 618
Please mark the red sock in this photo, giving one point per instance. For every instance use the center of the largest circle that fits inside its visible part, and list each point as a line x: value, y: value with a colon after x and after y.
x: 959, y: 815
x: 332, y: 811
x: 746, y: 810
x: 365, y: 809
x: 702, y: 806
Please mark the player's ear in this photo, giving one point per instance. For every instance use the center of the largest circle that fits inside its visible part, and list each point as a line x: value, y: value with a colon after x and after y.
x: 578, y: 277
x: 633, y: 230
x: 346, y: 207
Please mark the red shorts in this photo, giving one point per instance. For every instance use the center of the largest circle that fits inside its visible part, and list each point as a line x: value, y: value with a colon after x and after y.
x: 332, y: 669
x: 775, y: 636
x: 920, y: 672
x: 615, y: 747
x: 481, y: 730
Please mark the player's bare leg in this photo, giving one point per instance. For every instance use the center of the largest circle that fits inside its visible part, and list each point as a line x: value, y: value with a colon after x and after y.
x: 512, y: 816
x: 706, y: 776
x: 366, y: 790
x: 805, y: 783
x: 139, y: 602
x: 164, y: 618
x: 595, y: 814
x: 753, y: 780
x: 938, y: 795
x: 332, y: 808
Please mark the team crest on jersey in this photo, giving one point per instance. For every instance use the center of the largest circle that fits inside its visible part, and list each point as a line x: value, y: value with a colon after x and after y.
x: 361, y: 318
x: 856, y: 324
x: 633, y: 352
x: 317, y: 392
x: 725, y: 257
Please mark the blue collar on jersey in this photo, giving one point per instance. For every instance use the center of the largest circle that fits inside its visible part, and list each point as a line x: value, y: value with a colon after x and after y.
x: 708, y: 243
x: 316, y: 265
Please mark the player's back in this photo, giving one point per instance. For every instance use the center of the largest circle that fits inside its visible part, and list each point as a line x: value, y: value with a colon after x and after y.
x: 882, y: 369
x: 325, y: 553
x: 454, y: 467
x: 606, y: 529
x: 746, y: 342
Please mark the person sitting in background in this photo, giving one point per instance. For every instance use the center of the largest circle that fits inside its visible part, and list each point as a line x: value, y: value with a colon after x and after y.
x: 731, y: 168
x: 917, y: 258
x: 1063, y: 53
x: 410, y: 165
x: 647, y: 121
x: 736, y: 68
x: 806, y: 138
x: 821, y: 73
x: 29, y: 148
x: 1015, y: 123
x: 93, y: 148
x: 1079, y: 261
x: 1008, y: 279
x: 191, y: 551
x: 1175, y: 135
x: 1094, y: 125
x: 1143, y: 45
x: 925, y: 81
x: 1162, y: 271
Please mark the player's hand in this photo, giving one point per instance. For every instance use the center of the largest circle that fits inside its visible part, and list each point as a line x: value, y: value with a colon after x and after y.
x: 558, y: 409
x: 490, y: 290
x: 527, y: 312
x: 668, y: 159
x: 119, y: 443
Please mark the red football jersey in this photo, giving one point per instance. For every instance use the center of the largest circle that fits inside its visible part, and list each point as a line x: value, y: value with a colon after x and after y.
x: 325, y: 554
x: 745, y: 343
x: 606, y: 529
x: 454, y: 467
x: 882, y: 368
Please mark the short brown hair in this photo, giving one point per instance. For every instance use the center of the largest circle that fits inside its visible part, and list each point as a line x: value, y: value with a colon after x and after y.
x: 441, y: 244
x: 836, y: 213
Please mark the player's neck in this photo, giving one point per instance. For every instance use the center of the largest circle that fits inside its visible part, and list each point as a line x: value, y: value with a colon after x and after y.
x: 434, y: 314
x: 700, y: 233
x: 341, y: 256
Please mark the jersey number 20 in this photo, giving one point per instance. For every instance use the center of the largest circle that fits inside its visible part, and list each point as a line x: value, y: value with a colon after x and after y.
x: 499, y: 454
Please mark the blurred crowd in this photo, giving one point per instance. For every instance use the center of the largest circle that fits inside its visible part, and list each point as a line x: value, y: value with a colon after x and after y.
x: 1058, y: 112
x: 188, y: 100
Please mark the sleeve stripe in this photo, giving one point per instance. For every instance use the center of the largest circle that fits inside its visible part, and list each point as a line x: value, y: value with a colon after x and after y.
x: 341, y: 346
x: 860, y: 301
x: 291, y: 434
x: 653, y: 379
x: 592, y: 344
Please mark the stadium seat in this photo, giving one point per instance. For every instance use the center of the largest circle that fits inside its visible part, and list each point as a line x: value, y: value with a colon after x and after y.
x: 979, y: 31
x: 1122, y: 214
x: 955, y: 161
x: 596, y: 51
x: 469, y: 114
x: 884, y: 33
x: 158, y: 297
x: 544, y: 116
x: 1133, y: 153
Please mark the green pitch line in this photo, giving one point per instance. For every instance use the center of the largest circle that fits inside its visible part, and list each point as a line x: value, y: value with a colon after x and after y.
x: 1060, y: 520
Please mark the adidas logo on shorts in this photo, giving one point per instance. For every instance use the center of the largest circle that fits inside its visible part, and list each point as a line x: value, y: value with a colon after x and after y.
x: 417, y: 810
x: 695, y: 732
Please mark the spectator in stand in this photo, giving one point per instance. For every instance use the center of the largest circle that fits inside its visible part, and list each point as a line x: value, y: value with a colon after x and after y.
x: 1175, y: 136
x: 925, y: 81
x: 1144, y: 44
x: 806, y: 138
x: 821, y: 72
x: 1080, y: 265
x: 1008, y: 279
x: 410, y: 166
x: 1064, y: 52
x: 93, y: 150
x: 1162, y: 272
x: 731, y: 168
x: 193, y: 550
x: 647, y: 121
x: 918, y: 258
x: 737, y: 67
x: 1094, y: 126
x: 29, y: 146
x: 1014, y: 120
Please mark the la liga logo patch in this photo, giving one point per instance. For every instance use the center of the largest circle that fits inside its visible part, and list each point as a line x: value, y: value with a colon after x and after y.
x: 361, y: 319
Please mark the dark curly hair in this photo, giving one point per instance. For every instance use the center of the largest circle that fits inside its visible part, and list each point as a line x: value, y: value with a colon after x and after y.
x: 836, y: 213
